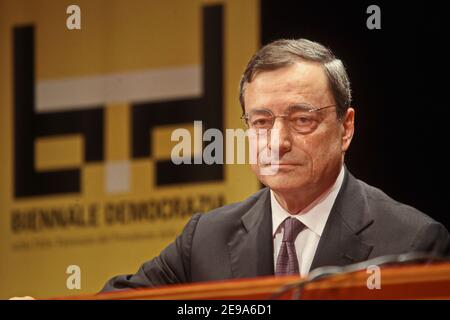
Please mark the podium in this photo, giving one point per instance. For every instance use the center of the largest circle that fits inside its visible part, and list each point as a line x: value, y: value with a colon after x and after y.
x: 427, y: 281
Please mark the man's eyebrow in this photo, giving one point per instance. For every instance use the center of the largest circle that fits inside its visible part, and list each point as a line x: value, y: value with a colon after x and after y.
x: 261, y: 109
x: 303, y: 105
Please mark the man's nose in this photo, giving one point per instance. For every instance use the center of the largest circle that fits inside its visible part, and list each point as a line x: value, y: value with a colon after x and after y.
x: 281, y: 128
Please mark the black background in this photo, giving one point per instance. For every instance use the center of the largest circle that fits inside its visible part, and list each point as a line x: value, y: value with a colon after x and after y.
x: 400, y: 89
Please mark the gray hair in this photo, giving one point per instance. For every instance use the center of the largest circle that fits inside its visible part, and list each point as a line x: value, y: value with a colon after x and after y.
x: 284, y: 52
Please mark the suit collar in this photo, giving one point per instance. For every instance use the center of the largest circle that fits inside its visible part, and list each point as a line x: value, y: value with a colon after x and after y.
x: 341, y: 242
x: 251, y: 246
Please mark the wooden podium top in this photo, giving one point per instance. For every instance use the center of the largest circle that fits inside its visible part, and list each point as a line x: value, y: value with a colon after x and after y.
x: 427, y: 281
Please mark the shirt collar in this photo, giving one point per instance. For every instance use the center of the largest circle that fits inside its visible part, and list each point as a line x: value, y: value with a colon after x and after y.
x: 314, y: 216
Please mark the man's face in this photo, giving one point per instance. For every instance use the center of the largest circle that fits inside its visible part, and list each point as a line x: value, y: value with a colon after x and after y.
x: 306, y: 161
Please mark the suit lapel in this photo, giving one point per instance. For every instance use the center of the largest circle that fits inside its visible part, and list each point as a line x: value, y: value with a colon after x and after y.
x: 251, y: 246
x: 341, y: 242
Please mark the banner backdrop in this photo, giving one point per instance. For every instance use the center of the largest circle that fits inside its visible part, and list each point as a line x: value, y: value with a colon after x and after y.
x: 86, y: 117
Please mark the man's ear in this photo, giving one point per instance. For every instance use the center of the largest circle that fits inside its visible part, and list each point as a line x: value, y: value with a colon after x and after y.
x: 348, y: 125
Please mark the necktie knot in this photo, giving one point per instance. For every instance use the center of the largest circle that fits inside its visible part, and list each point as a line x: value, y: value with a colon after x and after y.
x: 292, y: 228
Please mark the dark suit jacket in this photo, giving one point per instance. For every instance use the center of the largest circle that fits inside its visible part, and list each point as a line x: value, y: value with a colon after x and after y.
x: 235, y: 241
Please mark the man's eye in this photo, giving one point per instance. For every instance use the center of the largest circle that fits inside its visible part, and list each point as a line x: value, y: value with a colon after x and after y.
x: 260, y: 122
x: 303, y: 120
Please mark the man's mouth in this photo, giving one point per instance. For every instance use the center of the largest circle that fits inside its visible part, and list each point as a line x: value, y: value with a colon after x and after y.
x: 282, y: 164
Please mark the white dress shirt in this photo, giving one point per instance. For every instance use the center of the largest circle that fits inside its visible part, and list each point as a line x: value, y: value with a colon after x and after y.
x: 314, y: 217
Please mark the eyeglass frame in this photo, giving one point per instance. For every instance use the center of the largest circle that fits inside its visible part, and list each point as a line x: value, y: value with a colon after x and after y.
x: 245, y: 116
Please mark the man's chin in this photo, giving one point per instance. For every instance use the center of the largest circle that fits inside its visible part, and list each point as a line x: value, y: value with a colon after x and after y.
x: 279, y: 169
x: 282, y: 182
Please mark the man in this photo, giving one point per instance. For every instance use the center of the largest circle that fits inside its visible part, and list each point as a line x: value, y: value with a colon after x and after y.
x: 313, y: 212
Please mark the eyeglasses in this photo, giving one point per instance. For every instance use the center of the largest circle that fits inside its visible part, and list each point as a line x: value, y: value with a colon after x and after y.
x: 302, y: 118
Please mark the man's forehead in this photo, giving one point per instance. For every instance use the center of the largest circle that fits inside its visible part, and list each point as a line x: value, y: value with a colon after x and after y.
x: 301, y: 78
x: 303, y: 73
